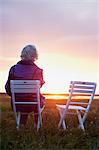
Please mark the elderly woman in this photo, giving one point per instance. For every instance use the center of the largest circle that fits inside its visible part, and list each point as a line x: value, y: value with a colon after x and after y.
x: 26, y: 69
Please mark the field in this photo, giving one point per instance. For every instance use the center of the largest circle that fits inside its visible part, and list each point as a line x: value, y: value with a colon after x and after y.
x: 49, y: 136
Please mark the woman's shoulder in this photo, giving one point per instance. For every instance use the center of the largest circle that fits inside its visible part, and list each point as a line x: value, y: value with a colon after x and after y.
x: 37, y: 67
x: 12, y: 67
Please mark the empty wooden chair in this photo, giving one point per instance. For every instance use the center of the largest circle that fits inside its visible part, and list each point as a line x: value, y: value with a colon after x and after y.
x: 77, y: 88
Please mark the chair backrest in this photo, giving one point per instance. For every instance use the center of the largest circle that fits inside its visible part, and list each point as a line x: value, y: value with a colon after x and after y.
x: 25, y: 86
x: 79, y: 89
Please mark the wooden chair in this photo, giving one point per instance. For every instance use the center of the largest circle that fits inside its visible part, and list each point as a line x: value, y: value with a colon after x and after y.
x: 25, y: 87
x: 77, y: 88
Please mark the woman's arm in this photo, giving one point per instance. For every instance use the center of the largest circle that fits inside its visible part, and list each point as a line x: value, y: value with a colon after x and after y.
x: 10, y: 77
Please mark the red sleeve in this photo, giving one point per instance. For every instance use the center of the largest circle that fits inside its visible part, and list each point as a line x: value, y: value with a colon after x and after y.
x: 39, y: 76
x: 10, y: 77
x: 42, y: 79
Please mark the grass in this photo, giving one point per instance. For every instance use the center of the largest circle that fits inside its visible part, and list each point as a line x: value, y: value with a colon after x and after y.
x: 49, y: 136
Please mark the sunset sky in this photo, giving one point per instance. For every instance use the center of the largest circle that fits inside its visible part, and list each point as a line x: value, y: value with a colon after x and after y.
x: 65, y: 32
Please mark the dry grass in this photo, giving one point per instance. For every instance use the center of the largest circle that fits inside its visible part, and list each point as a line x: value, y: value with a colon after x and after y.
x: 49, y: 136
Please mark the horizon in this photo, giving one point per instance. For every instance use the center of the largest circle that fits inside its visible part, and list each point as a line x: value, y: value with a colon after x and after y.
x: 62, y: 96
x: 54, y: 93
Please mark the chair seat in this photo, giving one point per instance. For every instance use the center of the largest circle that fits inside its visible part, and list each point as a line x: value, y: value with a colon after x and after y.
x: 71, y: 107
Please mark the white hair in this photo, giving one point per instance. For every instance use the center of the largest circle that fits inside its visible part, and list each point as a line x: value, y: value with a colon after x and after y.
x: 29, y: 52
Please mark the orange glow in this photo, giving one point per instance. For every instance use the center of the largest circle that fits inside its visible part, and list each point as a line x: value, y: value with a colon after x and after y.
x: 59, y: 70
x: 56, y: 96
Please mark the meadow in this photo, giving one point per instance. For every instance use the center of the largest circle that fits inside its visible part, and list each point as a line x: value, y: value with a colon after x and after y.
x: 49, y: 137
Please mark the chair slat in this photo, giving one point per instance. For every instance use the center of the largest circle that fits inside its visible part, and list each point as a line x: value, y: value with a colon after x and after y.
x: 25, y: 82
x: 25, y: 90
x: 81, y: 82
x: 23, y: 86
x: 82, y: 87
x: 80, y: 91
x: 26, y: 102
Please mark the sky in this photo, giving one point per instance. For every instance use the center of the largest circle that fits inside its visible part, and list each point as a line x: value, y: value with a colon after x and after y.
x: 65, y: 33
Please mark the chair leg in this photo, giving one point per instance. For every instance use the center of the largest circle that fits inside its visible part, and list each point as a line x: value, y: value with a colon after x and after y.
x: 80, y: 120
x: 18, y: 120
x: 85, y: 116
x: 63, y: 122
x: 39, y: 124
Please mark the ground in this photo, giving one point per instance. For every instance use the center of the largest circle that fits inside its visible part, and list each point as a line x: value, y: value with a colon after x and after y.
x: 49, y: 137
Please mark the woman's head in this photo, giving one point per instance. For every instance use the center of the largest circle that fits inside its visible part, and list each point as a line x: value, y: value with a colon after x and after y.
x: 29, y: 52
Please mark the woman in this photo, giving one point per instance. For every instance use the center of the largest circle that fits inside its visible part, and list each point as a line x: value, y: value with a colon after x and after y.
x: 26, y: 69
